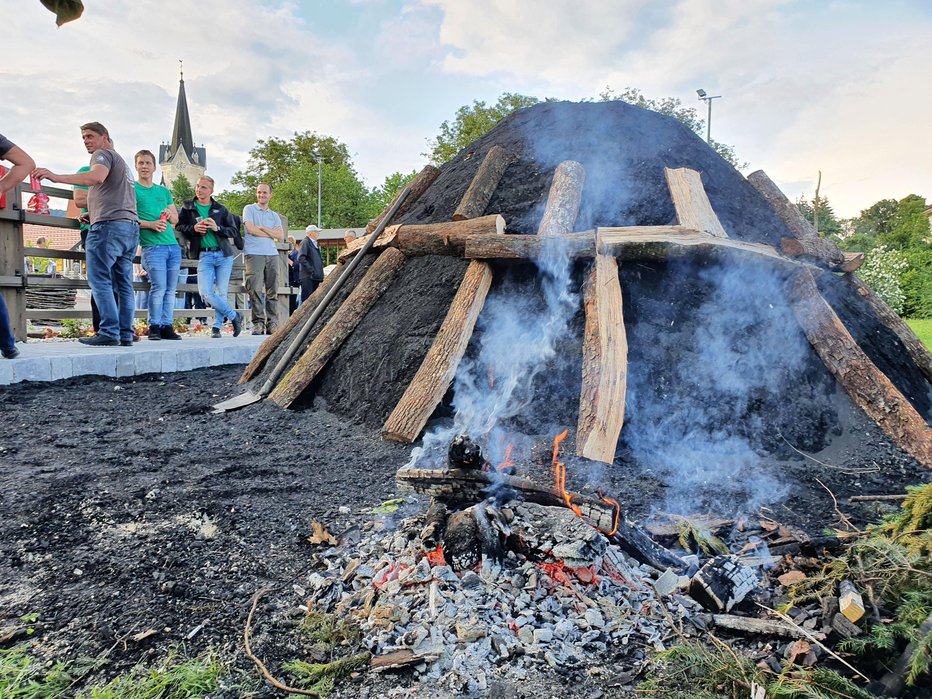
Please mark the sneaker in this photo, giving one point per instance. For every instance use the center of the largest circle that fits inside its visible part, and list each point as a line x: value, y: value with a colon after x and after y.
x: 136, y: 338
x: 101, y: 341
x: 12, y: 354
x: 270, y: 330
x: 167, y: 332
x: 128, y: 343
x: 155, y: 332
x: 237, y: 323
x: 215, y: 333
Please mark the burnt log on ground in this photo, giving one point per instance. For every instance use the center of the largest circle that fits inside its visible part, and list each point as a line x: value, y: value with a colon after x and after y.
x: 868, y: 387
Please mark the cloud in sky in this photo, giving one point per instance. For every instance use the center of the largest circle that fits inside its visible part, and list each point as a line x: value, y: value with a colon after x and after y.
x: 806, y: 86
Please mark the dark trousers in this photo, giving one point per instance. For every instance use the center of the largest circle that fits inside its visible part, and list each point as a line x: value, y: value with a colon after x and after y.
x: 308, y: 286
x: 6, y: 329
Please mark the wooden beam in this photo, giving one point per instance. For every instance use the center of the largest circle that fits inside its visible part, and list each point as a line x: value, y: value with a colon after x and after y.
x: 386, y: 239
x: 445, y: 238
x: 810, y: 244
x: 868, y: 387
x: 526, y: 247
x: 564, y: 199
x: 661, y: 241
x: 331, y: 337
x: 693, y: 209
x: 605, y: 364
x: 483, y: 184
x: 424, y: 179
x: 302, y: 312
x: 914, y: 346
x: 436, y: 372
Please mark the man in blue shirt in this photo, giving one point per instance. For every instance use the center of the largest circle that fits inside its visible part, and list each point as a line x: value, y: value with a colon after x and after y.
x: 263, y: 230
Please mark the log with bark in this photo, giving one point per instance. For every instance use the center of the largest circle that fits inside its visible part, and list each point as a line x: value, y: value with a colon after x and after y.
x: 528, y: 247
x: 691, y: 202
x: 483, y: 184
x: 605, y: 364
x: 424, y: 179
x: 326, y: 343
x: 445, y: 238
x: 564, y: 199
x: 868, y: 387
x: 438, y: 368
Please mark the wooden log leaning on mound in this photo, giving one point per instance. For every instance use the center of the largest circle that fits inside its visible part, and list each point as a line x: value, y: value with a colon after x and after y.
x: 379, y: 277
x: 868, y: 387
x: 436, y: 372
x: 302, y: 312
x: 483, y: 184
x: 691, y: 202
x: 564, y: 199
x: 605, y: 364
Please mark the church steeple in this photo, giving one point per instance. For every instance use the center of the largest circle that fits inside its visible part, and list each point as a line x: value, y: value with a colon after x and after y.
x: 181, y: 156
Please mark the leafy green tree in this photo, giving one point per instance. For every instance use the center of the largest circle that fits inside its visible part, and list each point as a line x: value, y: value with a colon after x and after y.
x: 829, y: 225
x: 394, y: 183
x: 273, y: 160
x: 472, y: 122
x: 181, y: 190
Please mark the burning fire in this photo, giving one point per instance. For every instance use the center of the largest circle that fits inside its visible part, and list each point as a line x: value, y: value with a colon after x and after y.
x: 507, y: 462
x: 435, y: 557
x: 559, y: 472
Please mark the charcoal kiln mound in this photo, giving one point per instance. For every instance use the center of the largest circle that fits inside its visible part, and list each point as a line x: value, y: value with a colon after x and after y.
x: 597, y: 268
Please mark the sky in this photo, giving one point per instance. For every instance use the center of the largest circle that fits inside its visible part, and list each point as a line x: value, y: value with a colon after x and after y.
x: 831, y: 86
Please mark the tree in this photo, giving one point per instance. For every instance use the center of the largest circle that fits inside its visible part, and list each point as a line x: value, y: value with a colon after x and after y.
x: 181, y: 190
x: 394, y: 183
x: 829, y: 225
x: 472, y: 122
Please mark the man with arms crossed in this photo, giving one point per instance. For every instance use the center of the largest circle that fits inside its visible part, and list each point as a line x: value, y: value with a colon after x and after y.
x: 112, y: 237
x: 22, y: 166
x: 263, y: 230
x: 209, y: 227
x: 161, y: 256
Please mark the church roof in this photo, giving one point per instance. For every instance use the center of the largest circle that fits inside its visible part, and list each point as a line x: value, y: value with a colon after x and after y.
x: 181, y: 134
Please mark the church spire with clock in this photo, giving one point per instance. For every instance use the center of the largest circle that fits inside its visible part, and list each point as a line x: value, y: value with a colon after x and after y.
x: 181, y: 156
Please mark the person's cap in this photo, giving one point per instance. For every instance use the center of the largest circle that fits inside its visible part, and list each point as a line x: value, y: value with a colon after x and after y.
x: 312, y: 228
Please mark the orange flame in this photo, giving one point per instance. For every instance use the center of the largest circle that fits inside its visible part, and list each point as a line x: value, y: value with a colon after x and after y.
x: 435, y: 557
x: 559, y: 472
x: 507, y: 461
x: 616, y: 509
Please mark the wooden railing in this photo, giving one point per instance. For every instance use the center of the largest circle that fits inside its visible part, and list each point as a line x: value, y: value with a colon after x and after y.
x: 15, y: 279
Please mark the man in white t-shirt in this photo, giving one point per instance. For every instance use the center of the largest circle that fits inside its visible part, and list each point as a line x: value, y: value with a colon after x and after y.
x: 263, y: 230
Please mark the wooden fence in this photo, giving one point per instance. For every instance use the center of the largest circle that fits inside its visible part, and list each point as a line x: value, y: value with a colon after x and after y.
x: 15, y: 279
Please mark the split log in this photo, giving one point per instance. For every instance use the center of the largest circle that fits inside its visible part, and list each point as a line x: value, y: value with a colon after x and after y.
x: 302, y: 313
x: 527, y: 247
x: 914, y: 346
x: 762, y: 627
x: 437, y: 370
x: 868, y: 387
x: 811, y: 244
x: 605, y: 364
x: 424, y: 179
x: 722, y: 583
x: 691, y: 202
x: 447, y: 238
x: 564, y: 199
x: 606, y: 516
x: 379, y: 277
x: 483, y: 184
x: 644, y: 242
x: 850, y: 602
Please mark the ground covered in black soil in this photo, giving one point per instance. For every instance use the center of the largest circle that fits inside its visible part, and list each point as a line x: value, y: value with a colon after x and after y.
x: 131, y: 511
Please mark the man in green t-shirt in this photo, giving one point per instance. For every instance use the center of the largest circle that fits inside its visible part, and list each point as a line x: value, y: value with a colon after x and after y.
x: 161, y: 255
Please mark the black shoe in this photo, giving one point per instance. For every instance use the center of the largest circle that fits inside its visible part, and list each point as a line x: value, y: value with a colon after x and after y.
x: 127, y: 343
x: 258, y: 330
x: 215, y: 333
x: 167, y: 332
x: 136, y: 338
x: 101, y: 341
x: 237, y: 323
x: 270, y: 330
x: 155, y: 332
x: 12, y: 354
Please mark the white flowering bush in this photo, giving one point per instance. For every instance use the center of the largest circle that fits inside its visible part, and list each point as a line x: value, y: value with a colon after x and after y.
x: 883, y: 271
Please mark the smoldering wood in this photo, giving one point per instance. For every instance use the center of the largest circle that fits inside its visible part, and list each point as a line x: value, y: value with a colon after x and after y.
x: 693, y: 209
x: 470, y: 535
x: 813, y: 251
x: 763, y: 627
x: 557, y: 533
x: 484, y: 183
x: 868, y: 387
x: 528, y: 247
x: 604, y: 366
x: 461, y: 487
x: 439, y: 366
x: 424, y: 179
x: 820, y: 250
x: 329, y: 339
x: 302, y: 313
x: 914, y: 346
x: 464, y: 453
x: 722, y: 583
x: 564, y: 199
x: 435, y: 523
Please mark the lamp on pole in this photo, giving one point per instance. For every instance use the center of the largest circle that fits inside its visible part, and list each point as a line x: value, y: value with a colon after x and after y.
x: 707, y: 98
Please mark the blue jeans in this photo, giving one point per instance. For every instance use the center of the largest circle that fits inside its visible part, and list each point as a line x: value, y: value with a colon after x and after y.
x: 162, y: 263
x: 111, y: 246
x: 6, y: 329
x: 213, y: 272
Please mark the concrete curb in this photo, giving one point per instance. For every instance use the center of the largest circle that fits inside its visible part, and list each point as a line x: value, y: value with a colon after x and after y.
x: 52, y: 361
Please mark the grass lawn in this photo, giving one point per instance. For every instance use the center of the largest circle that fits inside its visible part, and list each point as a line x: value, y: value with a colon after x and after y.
x: 923, y: 328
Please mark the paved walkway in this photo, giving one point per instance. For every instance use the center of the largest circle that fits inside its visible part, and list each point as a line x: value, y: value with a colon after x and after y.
x: 51, y: 361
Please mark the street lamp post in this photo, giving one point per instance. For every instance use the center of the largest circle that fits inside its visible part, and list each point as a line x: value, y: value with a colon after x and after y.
x: 707, y: 98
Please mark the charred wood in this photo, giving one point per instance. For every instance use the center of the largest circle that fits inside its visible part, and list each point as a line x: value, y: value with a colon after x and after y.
x: 379, y: 277
x: 762, y: 627
x: 483, y: 183
x: 722, y: 583
x: 464, y: 453
x: 868, y: 387
x: 435, y: 522
x: 564, y: 199
x: 556, y: 533
x: 894, y: 682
